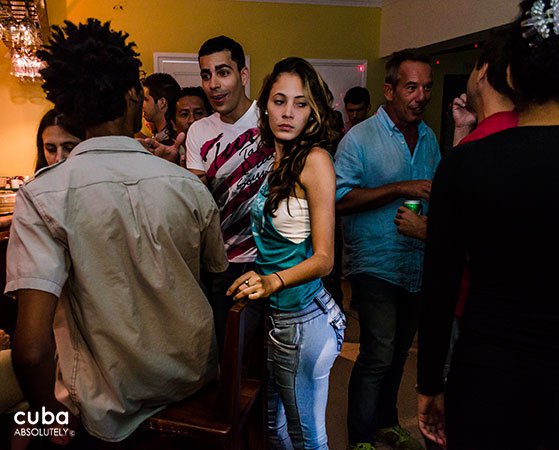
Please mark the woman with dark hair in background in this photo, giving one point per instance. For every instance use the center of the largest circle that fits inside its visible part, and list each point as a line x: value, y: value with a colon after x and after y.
x: 56, y: 138
x: 293, y: 226
x: 494, y: 199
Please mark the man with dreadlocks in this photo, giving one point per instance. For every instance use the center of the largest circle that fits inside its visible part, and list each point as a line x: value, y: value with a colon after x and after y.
x: 99, y: 253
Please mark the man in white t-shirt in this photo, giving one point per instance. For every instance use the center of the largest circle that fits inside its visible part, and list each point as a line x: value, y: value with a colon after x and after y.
x: 224, y: 151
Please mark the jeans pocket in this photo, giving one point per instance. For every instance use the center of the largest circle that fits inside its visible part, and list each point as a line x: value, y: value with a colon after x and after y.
x: 338, y: 322
x: 284, y: 352
x: 285, y: 337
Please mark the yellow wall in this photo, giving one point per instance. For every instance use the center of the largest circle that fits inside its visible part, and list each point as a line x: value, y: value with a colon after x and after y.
x: 21, y: 108
x: 267, y: 32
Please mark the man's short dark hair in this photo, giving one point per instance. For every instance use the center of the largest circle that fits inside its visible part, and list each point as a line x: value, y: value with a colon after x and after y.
x: 223, y: 43
x: 497, y: 53
x: 195, y: 91
x: 163, y: 85
x: 89, y: 70
x: 357, y: 95
x: 397, y: 58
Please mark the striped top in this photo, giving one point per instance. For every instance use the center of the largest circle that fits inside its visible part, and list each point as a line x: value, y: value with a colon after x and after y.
x: 235, y: 166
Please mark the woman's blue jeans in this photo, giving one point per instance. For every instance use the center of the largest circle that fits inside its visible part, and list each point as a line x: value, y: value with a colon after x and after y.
x: 302, y: 347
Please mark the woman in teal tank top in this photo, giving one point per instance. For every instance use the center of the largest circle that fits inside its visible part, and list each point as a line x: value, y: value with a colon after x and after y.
x: 293, y: 226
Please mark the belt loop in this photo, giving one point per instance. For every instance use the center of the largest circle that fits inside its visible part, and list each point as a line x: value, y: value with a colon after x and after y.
x: 319, y: 300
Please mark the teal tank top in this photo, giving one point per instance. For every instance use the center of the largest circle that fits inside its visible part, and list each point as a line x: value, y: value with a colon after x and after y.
x: 277, y: 253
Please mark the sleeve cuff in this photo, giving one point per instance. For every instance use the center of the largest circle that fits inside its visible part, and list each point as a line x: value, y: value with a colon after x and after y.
x: 33, y: 283
x: 342, y: 192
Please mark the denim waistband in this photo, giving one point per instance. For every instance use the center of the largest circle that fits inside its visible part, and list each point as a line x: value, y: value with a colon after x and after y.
x: 321, y: 304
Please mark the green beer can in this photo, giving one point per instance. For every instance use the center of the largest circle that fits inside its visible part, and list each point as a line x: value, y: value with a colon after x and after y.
x: 414, y: 205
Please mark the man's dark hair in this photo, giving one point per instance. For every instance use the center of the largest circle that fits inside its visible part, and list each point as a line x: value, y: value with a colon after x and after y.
x: 497, y: 54
x: 163, y: 85
x: 89, y: 70
x: 397, y: 58
x: 195, y: 91
x: 357, y: 95
x: 223, y: 43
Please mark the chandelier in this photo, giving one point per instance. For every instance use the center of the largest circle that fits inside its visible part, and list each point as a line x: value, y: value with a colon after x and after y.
x: 23, y: 25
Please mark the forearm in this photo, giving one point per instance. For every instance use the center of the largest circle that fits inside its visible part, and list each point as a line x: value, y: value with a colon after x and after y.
x: 317, y: 266
x: 36, y: 374
x: 260, y: 286
x: 34, y: 347
x: 460, y: 133
x: 364, y: 199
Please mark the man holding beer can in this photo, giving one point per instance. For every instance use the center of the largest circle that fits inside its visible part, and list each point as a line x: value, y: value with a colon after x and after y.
x: 381, y: 162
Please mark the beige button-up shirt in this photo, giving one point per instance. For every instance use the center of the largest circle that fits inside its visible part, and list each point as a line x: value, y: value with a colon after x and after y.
x: 120, y: 235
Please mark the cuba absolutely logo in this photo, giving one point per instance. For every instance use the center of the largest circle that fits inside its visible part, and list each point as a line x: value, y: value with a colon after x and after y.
x: 42, y: 423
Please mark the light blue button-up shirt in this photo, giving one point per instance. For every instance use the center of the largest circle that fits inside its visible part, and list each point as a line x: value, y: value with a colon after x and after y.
x: 372, y: 154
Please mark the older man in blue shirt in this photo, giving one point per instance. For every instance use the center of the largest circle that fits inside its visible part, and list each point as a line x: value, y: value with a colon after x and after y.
x: 381, y: 162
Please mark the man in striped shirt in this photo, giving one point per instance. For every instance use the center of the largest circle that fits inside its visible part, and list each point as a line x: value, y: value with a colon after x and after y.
x: 224, y: 151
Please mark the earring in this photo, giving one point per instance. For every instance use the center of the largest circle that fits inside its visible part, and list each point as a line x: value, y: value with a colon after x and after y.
x: 266, y: 112
x: 311, y: 119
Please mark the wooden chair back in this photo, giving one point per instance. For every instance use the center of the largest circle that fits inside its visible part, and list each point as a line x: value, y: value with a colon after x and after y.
x: 229, y: 413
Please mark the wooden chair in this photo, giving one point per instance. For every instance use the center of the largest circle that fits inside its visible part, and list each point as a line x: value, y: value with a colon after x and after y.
x: 228, y: 414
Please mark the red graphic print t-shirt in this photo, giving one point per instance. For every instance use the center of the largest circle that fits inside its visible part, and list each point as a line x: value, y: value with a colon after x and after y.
x: 235, y: 165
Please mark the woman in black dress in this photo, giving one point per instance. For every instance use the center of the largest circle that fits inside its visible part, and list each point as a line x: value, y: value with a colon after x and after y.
x: 495, y: 199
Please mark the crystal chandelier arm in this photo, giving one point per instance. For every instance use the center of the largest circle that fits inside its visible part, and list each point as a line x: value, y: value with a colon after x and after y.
x: 21, y: 32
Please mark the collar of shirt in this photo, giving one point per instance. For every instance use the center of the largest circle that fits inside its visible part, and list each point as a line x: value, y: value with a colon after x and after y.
x: 387, y: 122
x: 494, y: 123
x: 245, y: 121
x: 108, y: 143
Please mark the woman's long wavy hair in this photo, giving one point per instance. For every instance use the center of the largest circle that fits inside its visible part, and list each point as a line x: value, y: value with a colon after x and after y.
x: 318, y: 132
